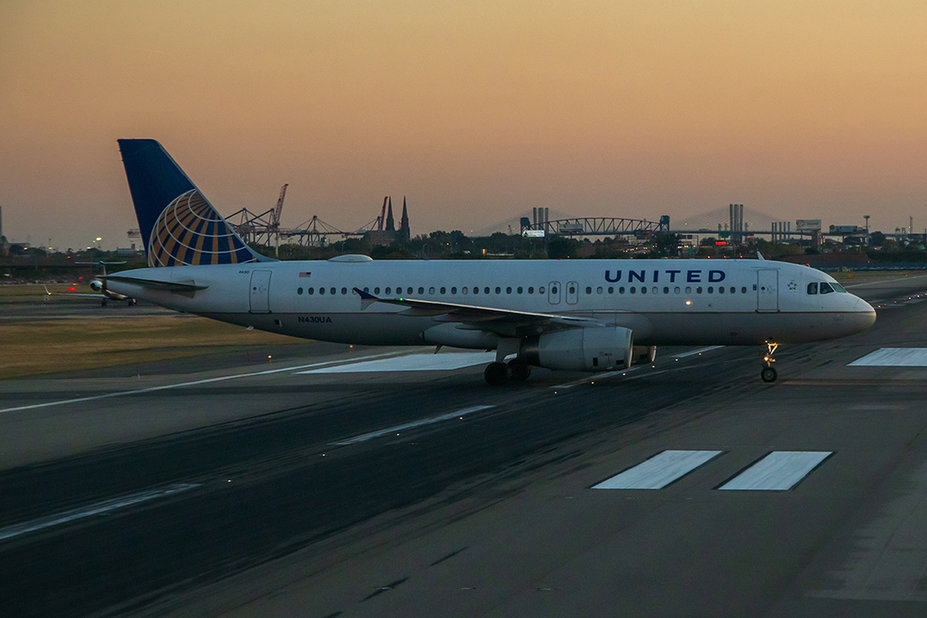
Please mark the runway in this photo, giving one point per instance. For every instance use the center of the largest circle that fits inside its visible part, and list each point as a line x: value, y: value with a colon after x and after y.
x: 372, y: 481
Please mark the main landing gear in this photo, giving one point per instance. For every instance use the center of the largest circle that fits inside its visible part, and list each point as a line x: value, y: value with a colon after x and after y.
x: 498, y: 373
x: 769, y: 373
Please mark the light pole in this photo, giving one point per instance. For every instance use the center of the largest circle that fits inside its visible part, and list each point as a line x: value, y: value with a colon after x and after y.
x: 866, y: 217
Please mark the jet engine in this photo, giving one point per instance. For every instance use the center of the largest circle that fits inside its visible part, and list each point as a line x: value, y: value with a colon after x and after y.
x: 600, y: 348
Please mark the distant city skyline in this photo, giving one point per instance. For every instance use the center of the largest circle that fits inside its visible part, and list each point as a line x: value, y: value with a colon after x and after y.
x: 476, y: 111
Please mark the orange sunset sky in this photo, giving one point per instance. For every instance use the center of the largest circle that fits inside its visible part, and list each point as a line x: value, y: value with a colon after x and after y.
x: 475, y: 110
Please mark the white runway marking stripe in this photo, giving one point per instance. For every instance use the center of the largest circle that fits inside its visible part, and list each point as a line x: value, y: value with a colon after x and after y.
x: 182, y: 384
x: 893, y: 357
x: 419, y: 423
x: 593, y: 378
x: 94, y: 509
x: 778, y: 471
x: 659, y: 471
x: 699, y: 351
x: 414, y: 362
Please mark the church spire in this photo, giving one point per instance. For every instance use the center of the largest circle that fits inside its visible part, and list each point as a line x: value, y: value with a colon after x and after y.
x: 404, y: 232
x: 390, y: 225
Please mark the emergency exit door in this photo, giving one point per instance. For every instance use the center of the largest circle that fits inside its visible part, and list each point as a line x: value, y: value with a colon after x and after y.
x: 553, y: 293
x: 572, y: 292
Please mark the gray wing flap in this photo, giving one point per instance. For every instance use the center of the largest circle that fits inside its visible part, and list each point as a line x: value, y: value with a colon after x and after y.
x: 503, y: 321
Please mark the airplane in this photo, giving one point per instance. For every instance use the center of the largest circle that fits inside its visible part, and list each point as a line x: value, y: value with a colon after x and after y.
x: 98, y: 285
x: 578, y: 315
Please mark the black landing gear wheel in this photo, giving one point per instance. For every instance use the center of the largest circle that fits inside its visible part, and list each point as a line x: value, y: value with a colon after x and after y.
x: 769, y: 374
x: 497, y: 374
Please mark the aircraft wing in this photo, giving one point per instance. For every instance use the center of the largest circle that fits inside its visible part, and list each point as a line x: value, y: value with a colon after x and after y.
x: 506, y: 322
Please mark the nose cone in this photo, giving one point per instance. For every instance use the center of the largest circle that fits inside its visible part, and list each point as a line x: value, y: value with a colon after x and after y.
x: 864, y: 315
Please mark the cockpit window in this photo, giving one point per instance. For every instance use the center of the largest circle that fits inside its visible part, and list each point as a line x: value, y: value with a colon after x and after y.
x: 838, y: 288
x: 813, y: 288
x: 825, y: 287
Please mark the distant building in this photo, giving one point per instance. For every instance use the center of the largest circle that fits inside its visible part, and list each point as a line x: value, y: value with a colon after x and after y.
x: 389, y: 234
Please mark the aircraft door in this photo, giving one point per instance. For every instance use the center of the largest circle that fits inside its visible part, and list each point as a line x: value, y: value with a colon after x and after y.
x: 260, y: 291
x: 572, y: 292
x: 553, y: 293
x: 767, y: 292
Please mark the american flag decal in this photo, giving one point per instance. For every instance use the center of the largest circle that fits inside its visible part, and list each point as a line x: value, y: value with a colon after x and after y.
x: 306, y: 275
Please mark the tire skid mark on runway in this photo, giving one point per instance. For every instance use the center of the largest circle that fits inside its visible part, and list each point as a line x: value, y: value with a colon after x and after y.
x: 97, y: 508
x: 193, y: 383
x: 419, y: 423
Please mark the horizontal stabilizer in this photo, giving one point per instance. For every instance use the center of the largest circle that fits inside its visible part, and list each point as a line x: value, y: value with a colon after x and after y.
x: 173, y: 286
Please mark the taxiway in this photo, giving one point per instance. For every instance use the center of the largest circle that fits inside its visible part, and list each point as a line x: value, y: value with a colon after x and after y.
x: 372, y: 481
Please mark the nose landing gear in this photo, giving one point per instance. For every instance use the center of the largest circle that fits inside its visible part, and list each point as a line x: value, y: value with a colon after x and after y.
x: 769, y: 373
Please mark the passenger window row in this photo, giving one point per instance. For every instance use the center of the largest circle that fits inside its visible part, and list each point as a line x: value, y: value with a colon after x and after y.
x: 431, y: 290
x: 476, y: 290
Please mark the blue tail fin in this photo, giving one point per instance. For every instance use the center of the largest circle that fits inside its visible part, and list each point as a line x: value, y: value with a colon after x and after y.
x: 177, y: 222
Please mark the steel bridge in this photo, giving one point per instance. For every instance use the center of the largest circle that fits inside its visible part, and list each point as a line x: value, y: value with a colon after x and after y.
x: 603, y: 226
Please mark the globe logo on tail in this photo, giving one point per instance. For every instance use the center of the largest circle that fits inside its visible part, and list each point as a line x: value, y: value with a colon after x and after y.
x: 189, y: 231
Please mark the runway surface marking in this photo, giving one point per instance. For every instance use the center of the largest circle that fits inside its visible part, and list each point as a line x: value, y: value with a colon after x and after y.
x: 893, y: 357
x: 622, y: 372
x: 98, y: 508
x: 592, y: 378
x: 778, y: 471
x: 419, y: 423
x: 414, y: 362
x: 182, y: 384
x: 882, y: 282
x: 699, y: 351
x: 659, y: 471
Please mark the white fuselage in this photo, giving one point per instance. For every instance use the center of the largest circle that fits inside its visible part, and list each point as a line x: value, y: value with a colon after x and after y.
x: 664, y: 302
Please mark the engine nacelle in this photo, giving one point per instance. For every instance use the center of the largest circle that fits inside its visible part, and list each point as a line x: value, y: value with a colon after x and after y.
x: 601, y: 348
